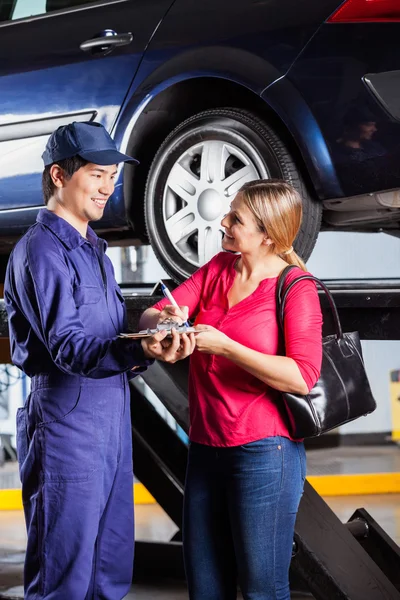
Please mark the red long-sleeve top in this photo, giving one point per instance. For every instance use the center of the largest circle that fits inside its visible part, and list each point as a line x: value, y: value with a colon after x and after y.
x: 228, y: 405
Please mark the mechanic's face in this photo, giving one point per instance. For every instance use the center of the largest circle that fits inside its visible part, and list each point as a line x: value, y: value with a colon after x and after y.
x: 85, y: 194
x: 241, y: 231
x: 367, y: 130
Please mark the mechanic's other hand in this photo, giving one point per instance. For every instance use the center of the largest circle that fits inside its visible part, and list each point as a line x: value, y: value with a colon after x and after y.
x: 210, y: 340
x: 178, y: 314
x: 180, y: 347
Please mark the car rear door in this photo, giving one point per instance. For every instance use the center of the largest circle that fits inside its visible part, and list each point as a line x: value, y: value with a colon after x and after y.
x: 60, y: 61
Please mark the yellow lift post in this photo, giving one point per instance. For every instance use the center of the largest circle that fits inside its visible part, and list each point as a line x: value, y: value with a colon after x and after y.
x: 395, y: 401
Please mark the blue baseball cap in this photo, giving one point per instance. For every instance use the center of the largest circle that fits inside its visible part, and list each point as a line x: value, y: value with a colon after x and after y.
x: 89, y: 140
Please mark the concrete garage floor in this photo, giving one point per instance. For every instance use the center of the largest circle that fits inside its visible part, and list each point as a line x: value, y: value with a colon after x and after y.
x: 153, y: 524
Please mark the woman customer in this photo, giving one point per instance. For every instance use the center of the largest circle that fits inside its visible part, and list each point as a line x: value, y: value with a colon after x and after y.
x: 245, y: 474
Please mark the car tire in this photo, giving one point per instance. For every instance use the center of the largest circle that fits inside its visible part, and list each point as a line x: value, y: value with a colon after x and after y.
x: 195, y: 175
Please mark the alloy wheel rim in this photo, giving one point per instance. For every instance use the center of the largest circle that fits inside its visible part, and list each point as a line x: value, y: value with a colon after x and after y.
x: 199, y: 189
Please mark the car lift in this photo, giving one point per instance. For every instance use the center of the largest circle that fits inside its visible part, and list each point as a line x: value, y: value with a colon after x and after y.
x: 331, y: 560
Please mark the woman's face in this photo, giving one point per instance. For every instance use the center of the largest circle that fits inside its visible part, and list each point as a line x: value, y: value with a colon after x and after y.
x: 241, y: 231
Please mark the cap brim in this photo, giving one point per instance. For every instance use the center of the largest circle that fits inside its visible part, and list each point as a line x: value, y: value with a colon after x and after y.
x: 107, y: 157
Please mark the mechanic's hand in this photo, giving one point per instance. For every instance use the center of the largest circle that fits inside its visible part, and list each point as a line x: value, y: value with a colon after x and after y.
x: 174, y: 313
x: 175, y: 348
x: 210, y: 340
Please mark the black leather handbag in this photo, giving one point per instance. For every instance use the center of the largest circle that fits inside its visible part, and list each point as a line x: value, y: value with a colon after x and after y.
x: 342, y: 392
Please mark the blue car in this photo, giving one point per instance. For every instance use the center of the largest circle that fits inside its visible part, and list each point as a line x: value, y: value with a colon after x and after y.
x: 207, y: 94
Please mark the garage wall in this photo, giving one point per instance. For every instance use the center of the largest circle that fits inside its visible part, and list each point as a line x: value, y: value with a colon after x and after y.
x: 364, y: 256
x: 339, y: 255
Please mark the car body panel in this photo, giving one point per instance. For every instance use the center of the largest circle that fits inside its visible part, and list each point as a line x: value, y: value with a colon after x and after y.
x: 252, y: 44
x: 257, y: 44
x: 330, y: 77
x: 295, y: 113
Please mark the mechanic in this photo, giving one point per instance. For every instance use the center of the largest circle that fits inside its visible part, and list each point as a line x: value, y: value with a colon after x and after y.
x: 74, y: 433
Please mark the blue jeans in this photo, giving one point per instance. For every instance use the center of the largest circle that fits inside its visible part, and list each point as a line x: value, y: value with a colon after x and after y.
x: 239, y: 516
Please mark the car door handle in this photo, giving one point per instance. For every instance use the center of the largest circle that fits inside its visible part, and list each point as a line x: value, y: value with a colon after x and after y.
x: 106, y: 42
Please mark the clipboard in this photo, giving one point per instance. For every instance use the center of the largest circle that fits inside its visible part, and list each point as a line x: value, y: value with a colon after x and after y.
x: 161, y: 327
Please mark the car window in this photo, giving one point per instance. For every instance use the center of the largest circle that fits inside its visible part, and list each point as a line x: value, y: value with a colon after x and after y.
x: 10, y: 10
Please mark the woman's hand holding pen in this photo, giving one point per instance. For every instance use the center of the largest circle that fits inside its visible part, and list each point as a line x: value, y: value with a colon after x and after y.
x: 174, y: 304
x: 211, y: 341
x: 178, y: 314
x: 176, y: 346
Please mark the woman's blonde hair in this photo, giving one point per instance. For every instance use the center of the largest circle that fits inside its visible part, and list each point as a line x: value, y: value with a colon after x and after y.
x: 277, y: 209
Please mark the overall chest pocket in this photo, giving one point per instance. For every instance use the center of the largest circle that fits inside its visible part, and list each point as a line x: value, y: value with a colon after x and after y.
x: 86, y: 294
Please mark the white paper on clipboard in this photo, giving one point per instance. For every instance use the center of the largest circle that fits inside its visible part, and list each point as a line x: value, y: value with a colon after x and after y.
x: 150, y: 332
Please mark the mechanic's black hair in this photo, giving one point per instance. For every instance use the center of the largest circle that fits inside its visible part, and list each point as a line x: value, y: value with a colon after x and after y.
x: 68, y: 165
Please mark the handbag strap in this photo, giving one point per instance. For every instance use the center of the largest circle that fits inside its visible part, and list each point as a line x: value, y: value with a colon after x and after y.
x: 281, y: 283
x: 282, y: 296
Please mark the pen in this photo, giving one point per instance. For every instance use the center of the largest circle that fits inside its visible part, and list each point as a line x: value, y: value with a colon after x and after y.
x: 170, y: 297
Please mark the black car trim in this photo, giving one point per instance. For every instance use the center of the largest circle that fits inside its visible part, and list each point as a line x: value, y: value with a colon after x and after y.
x: 386, y: 89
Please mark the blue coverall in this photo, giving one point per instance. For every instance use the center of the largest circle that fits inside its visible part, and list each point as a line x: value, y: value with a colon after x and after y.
x: 74, y: 433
